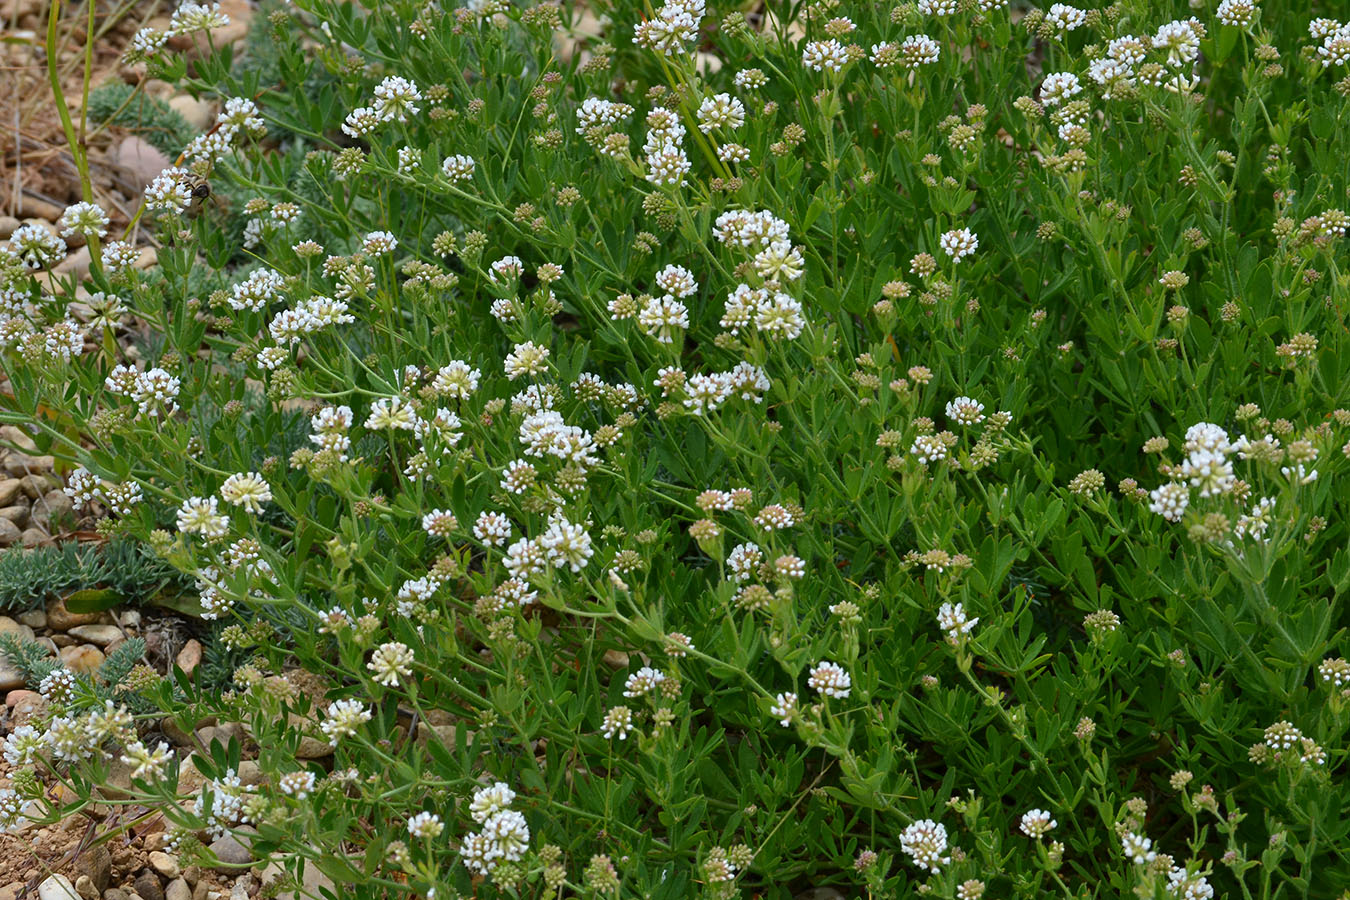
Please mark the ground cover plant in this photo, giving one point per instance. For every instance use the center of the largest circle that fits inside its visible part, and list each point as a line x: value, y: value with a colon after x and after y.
x: 722, y: 450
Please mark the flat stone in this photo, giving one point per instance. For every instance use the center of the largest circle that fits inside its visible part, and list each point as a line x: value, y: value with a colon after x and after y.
x: 102, y: 635
x: 311, y: 880
x: 95, y: 863
x: 233, y: 851
x: 164, y: 864
x: 57, y: 887
x: 10, y: 677
x: 21, y: 465
x: 147, y: 885
x: 9, y: 533
x: 17, y: 514
x: 76, y: 264
x: 9, y: 489
x: 54, y: 511
x: 190, y: 657
x: 25, y: 707
x: 178, y: 890
x: 13, y: 434
x: 82, y: 658
x: 142, y: 160
x: 61, y: 619
x: 33, y: 538
x: 34, y: 618
x: 200, y: 114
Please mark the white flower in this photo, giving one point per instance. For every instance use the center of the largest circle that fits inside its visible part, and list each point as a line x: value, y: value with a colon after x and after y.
x: 965, y: 411
x: 199, y: 515
x: 248, y: 490
x: 378, y: 243
x: 1137, y: 848
x: 642, y: 682
x: 343, y: 718
x: 87, y: 219
x: 720, y: 111
x: 1170, y: 501
x: 526, y: 359
x: 395, y: 99
x: 425, y: 826
x: 925, y: 841
x: 1058, y: 87
x: 822, y: 55
x: 830, y: 680
x: 618, y: 723
x: 1036, y: 822
x: 1064, y: 17
x: 952, y: 619
x: 959, y: 243
x: 489, y: 801
x: 390, y: 661
x: 784, y: 708
x: 458, y: 167
x: 565, y: 543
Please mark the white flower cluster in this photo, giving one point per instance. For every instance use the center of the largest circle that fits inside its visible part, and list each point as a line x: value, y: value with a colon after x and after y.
x: 672, y: 29
x: 505, y: 835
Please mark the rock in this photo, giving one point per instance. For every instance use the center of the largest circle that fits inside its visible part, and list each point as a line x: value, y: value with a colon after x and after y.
x: 311, y: 880
x: 7, y: 226
x: 25, y: 707
x: 54, y: 511
x: 22, y: 466
x: 57, y: 887
x: 63, y: 640
x: 202, y: 892
x: 37, y: 208
x: 146, y: 259
x: 9, y: 626
x: 61, y: 619
x: 615, y: 659
x: 165, y: 865
x: 83, y: 658
x: 18, y: 514
x: 141, y: 159
x: 11, y: 891
x: 76, y: 264
x: 200, y: 114
x: 190, y: 657
x: 34, y: 618
x: 115, y: 894
x: 9, y: 533
x: 178, y: 890
x: 131, y: 619
x: 34, y: 537
x: 9, y: 489
x: 233, y: 851
x: 95, y: 864
x: 10, y: 677
x: 85, y: 888
x: 102, y: 635
x: 171, y: 731
x: 147, y: 885
x: 192, y: 874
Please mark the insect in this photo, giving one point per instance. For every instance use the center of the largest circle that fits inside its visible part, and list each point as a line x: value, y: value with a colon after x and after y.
x: 199, y: 190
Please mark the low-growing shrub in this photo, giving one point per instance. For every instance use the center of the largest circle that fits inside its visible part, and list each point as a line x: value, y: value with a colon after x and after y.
x: 713, y: 451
